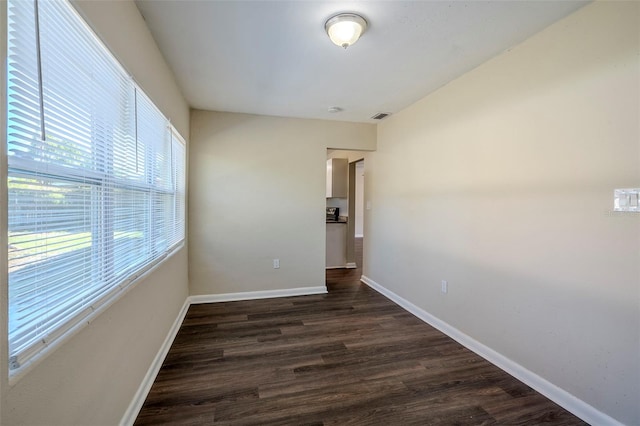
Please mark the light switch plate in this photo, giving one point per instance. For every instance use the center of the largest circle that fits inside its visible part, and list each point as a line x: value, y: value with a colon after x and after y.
x: 626, y: 200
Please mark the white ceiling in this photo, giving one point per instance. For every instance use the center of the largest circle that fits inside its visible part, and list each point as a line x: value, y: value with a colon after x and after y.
x: 274, y: 57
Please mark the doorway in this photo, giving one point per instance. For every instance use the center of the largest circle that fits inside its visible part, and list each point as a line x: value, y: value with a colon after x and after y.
x: 351, y: 270
x: 341, y: 250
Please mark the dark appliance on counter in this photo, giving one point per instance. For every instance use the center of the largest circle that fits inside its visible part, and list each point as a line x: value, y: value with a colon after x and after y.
x: 332, y: 213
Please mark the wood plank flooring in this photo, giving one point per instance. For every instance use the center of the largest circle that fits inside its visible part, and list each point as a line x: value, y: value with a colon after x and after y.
x: 350, y: 357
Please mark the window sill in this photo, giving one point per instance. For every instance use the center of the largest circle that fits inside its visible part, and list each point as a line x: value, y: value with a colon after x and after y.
x: 81, y: 321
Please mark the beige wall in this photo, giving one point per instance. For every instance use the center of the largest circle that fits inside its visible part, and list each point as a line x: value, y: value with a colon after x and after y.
x: 92, y: 377
x: 359, y: 201
x: 502, y: 183
x: 350, y: 155
x: 257, y: 193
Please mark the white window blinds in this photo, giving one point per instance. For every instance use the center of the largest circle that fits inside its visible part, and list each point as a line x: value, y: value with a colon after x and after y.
x: 96, y: 176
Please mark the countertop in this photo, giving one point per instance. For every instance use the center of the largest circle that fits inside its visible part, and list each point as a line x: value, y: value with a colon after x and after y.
x: 341, y: 219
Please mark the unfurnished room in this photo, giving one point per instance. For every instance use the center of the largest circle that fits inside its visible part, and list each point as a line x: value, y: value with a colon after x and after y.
x: 165, y: 169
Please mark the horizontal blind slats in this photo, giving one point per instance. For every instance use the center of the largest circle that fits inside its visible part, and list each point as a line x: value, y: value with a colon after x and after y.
x: 90, y: 206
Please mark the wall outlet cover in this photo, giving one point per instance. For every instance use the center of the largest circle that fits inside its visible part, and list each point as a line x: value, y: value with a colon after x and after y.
x: 626, y: 200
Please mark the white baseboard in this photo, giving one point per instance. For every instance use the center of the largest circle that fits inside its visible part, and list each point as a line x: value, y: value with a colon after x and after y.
x: 351, y: 265
x: 561, y: 397
x: 130, y: 415
x: 252, y: 295
x: 359, y: 235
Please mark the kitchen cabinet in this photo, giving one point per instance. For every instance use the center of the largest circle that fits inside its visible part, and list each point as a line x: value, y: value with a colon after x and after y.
x: 336, y: 245
x: 337, y: 177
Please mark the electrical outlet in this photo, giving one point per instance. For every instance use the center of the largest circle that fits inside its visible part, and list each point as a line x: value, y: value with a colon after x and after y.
x: 276, y: 263
x: 445, y: 287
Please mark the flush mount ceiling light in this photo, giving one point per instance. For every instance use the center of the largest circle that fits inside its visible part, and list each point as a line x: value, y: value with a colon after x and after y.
x: 344, y: 29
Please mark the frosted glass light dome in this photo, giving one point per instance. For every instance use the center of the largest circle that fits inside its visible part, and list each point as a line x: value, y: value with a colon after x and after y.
x: 345, y: 29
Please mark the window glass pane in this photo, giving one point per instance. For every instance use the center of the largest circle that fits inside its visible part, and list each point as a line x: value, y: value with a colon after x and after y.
x: 51, y: 240
x: 23, y: 127
x: 88, y: 99
x: 96, y: 195
x: 131, y: 231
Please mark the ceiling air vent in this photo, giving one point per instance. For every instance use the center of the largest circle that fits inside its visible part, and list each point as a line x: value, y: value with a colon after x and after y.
x: 381, y: 115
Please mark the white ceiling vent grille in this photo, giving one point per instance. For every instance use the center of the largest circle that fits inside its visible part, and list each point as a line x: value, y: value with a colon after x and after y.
x: 381, y: 115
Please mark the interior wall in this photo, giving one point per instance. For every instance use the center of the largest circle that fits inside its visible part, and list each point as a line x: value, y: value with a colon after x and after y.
x: 122, y: 28
x: 343, y: 203
x: 348, y: 154
x: 92, y: 377
x: 257, y: 193
x: 359, y: 207
x: 502, y: 182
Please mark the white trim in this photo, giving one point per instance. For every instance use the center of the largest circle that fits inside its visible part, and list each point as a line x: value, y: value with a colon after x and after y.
x: 252, y: 295
x: 351, y: 265
x: 96, y: 309
x: 135, y: 406
x: 359, y: 236
x: 561, y: 397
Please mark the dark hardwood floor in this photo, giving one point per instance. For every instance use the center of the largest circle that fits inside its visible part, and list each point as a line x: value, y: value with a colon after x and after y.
x: 350, y: 357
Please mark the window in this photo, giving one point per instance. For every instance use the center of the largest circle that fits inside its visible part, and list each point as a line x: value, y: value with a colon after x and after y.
x: 96, y: 176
